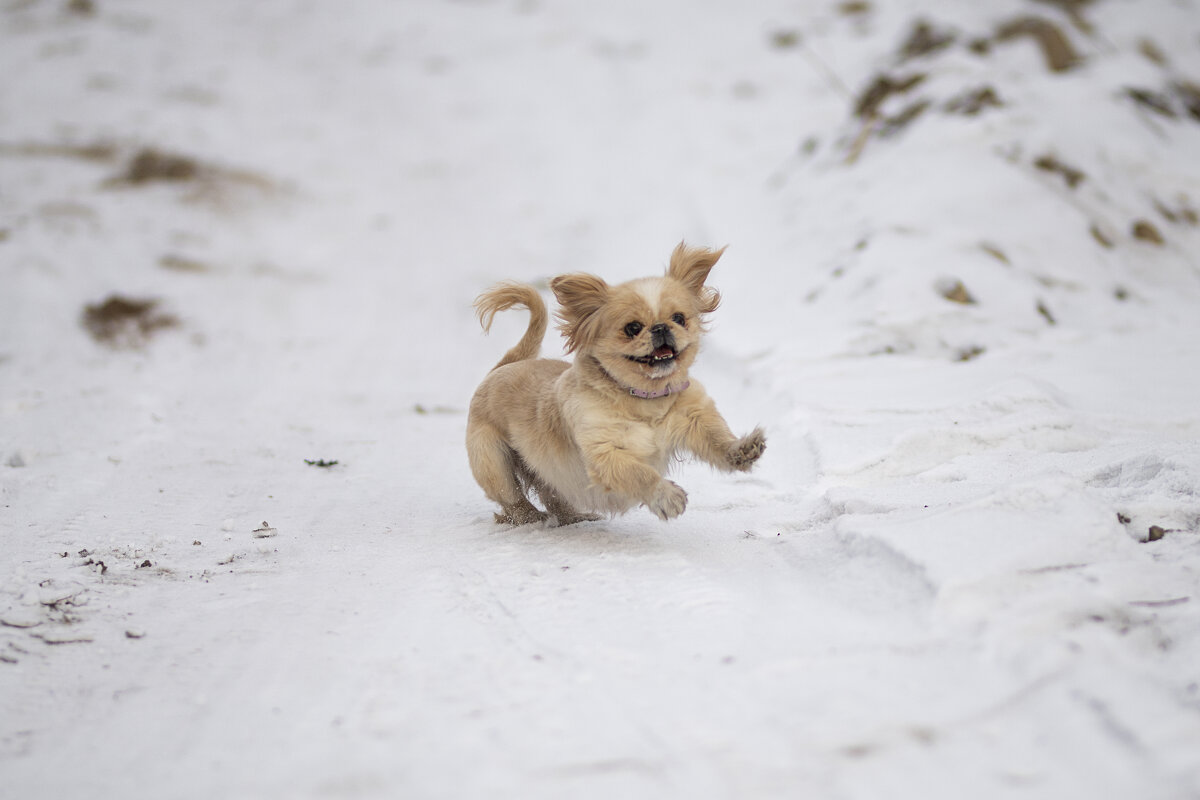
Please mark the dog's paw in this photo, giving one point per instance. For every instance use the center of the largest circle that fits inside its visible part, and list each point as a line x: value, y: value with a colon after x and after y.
x: 521, y: 515
x: 669, y: 500
x: 746, y: 450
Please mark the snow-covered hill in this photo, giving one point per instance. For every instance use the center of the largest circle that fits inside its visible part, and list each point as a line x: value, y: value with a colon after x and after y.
x: 239, y: 241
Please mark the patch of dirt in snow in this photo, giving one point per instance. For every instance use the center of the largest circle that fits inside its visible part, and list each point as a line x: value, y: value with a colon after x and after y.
x: 125, y: 322
x: 214, y: 185
x: 1014, y: 143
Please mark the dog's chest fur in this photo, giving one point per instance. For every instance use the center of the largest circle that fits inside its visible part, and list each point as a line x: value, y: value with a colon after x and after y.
x: 565, y: 413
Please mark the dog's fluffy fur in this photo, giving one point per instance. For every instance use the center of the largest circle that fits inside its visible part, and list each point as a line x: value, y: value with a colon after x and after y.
x: 598, y: 435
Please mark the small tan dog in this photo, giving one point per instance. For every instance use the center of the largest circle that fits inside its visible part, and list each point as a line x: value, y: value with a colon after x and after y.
x: 597, y: 435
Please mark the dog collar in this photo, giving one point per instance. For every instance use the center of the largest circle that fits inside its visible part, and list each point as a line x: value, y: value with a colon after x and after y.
x: 663, y: 392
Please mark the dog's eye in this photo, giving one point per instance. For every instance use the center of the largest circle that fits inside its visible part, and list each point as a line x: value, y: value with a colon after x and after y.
x: 679, y: 319
x: 633, y: 329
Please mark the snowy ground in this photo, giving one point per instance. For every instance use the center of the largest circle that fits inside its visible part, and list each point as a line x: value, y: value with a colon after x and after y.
x: 968, y: 565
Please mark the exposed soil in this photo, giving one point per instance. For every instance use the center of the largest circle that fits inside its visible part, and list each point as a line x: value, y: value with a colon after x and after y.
x: 924, y: 39
x: 123, y: 322
x: 176, y: 263
x: 880, y: 89
x: 1189, y: 95
x: 1150, y: 100
x: 969, y: 353
x: 1101, y: 237
x: 1057, y: 50
x: 1044, y: 310
x: 1181, y: 214
x: 1145, y: 231
x: 955, y: 292
x: 973, y: 101
x: 152, y: 165
x: 1071, y: 175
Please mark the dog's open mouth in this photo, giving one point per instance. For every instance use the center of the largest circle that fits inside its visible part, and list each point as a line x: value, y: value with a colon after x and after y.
x: 661, y: 355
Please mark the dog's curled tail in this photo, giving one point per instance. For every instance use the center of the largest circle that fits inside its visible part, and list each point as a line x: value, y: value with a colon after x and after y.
x: 504, y: 296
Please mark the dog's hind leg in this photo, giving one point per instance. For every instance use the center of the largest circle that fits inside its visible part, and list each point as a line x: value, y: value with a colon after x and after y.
x: 522, y: 512
x: 494, y: 466
x: 562, y: 511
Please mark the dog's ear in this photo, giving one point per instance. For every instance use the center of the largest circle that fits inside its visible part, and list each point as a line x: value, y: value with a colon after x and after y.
x: 690, y: 266
x: 580, y: 296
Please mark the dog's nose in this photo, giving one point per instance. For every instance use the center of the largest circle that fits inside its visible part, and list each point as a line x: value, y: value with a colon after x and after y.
x: 660, y: 328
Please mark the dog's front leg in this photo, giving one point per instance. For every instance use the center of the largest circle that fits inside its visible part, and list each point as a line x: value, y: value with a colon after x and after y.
x: 706, y: 434
x: 615, y: 467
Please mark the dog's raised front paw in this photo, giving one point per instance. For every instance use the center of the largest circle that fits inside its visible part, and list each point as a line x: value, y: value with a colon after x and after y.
x: 669, y: 500
x: 746, y: 450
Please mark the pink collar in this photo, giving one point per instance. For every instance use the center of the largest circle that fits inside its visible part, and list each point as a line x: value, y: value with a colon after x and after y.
x: 663, y: 392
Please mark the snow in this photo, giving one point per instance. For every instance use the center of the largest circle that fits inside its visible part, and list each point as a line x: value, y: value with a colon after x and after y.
x: 967, y: 565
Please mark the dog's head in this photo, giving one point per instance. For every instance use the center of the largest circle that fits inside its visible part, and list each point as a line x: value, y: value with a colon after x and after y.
x: 646, y: 332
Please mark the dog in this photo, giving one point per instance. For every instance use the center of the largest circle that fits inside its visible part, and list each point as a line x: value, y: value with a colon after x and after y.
x: 596, y: 436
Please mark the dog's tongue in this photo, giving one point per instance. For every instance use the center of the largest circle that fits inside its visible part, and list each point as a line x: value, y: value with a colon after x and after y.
x: 664, y: 352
